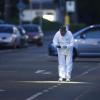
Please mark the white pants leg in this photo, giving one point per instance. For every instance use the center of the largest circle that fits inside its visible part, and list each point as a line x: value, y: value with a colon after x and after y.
x: 69, y: 65
x: 61, y: 66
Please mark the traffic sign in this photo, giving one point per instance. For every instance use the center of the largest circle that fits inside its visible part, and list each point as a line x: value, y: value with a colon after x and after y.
x: 20, y: 5
x: 70, y: 6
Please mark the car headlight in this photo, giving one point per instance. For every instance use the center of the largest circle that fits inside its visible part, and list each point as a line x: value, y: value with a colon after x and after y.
x: 8, y: 39
x: 36, y: 37
x: 11, y: 38
x: 27, y: 36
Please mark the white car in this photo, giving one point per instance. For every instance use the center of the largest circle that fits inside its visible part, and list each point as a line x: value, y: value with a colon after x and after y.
x: 9, y: 36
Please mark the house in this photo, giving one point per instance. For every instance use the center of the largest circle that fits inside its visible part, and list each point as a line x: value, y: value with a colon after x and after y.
x: 43, y: 8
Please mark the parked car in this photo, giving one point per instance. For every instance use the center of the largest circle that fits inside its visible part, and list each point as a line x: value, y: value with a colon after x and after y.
x: 9, y: 36
x: 86, y: 43
x: 35, y: 33
x: 24, y: 37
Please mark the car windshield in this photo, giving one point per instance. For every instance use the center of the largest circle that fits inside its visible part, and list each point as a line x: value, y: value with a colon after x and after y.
x: 4, y: 29
x: 31, y: 28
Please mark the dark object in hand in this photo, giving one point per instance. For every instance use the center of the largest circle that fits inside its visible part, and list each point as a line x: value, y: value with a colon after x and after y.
x: 58, y: 46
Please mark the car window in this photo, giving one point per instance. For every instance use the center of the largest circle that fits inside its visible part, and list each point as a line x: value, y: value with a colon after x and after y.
x: 6, y: 29
x: 31, y: 29
x: 22, y: 31
x: 93, y: 33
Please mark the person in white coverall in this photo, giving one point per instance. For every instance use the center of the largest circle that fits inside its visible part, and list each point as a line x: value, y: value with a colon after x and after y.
x: 63, y: 41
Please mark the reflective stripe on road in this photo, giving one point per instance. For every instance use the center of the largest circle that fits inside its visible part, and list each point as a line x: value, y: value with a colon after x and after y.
x: 54, y: 82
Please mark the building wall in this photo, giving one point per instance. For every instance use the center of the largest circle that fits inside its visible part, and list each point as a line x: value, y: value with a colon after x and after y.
x: 29, y: 15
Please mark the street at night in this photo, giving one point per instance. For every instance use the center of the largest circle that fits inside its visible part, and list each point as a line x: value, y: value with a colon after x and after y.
x: 30, y: 74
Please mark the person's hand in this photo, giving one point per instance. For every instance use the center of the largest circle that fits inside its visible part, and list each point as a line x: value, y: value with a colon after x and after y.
x: 58, y: 46
x: 65, y: 47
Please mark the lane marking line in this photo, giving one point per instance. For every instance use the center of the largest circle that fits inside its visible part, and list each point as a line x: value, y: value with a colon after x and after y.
x: 43, y: 72
x: 39, y: 71
x: 54, y: 82
x: 1, y: 90
x: 34, y: 96
x: 86, y: 72
x: 82, y: 94
x: 45, y: 90
x: 47, y: 73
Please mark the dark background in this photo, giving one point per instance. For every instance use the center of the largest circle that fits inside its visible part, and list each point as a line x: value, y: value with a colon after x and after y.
x: 88, y: 11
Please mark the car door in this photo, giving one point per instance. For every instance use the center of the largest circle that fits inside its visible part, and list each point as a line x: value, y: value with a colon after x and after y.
x: 89, y: 42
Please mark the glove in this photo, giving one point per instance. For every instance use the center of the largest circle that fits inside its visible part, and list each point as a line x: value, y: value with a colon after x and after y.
x: 65, y: 47
x: 58, y: 46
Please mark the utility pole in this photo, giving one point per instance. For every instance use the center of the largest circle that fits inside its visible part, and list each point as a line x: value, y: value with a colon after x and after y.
x: 60, y: 6
x: 20, y: 6
x: 31, y: 9
x: 7, y: 10
x: 71, y: 10
x: 40, y: 14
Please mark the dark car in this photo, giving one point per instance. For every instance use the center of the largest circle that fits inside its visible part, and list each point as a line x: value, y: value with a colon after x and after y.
x: 86, y: 43
x: 35, y: 33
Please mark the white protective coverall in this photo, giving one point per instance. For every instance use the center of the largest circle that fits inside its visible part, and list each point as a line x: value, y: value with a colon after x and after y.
x: 64, y: 54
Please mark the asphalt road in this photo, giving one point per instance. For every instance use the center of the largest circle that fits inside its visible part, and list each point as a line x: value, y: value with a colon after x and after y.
x: 30, y: 74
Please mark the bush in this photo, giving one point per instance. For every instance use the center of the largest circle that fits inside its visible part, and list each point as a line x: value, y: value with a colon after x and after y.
x: 54, y: 26
x: 51, y: 26
x: 76, y: 27
x: 14, y: 21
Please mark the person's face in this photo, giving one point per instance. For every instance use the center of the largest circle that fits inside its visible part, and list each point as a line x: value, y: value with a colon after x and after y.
x: 62, y: 32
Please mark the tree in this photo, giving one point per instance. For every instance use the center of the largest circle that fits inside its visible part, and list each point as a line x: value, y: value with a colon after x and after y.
x: 1, y: 9
x: 7, y: 10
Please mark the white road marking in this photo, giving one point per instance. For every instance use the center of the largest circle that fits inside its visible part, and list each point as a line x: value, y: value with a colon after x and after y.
x: 47, y: 73
x: 82, y: 94
x: 46, y: 90
x: 53, y: 82
x: 42, y: 72
x: 39, y: 71
x: 83, y: 74
x: 50, y: 88
x: 34, y: 96
x: 86, y: 72
x: 1, y: 90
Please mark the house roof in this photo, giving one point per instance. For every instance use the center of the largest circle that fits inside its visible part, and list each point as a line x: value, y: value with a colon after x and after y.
x: 45, y: 4
x: 42, y: 0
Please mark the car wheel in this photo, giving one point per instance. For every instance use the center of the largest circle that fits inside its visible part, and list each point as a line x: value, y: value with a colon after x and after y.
x: 40, y: 43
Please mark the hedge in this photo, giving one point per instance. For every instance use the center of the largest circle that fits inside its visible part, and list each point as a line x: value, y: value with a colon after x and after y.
x: 51, y: 26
